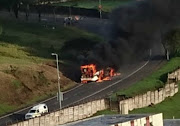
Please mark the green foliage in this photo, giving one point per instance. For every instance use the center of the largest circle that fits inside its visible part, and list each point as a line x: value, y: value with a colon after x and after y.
x: 10, y: 53
x: 172, y: 42
x: 37, y: 40
x: 105, y: 112
x: 5, y: 108
x: 1, y: 30
x: 152, y: 82
x: 169, y: 108
x: 17, y: 83
x: 11, y: 3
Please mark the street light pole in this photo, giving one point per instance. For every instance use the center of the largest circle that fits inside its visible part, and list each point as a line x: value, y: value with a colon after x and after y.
x: 59, y: 91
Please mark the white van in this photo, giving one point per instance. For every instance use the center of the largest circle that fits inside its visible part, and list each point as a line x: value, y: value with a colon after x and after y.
x: 36, y: 111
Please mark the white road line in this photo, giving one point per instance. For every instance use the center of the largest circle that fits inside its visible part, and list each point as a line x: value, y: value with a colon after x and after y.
x: 73, y: 88
x: 111, y: 84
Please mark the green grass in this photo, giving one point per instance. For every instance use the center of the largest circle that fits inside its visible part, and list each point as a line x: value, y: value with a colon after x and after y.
x: 107, y: 5
x: 10, y: 53
x: 5, y: 108
x: 152, y: 82
x: 38, y: 99
x: 39, y: 40
x: 29, y: 43
x: 169, y: 108
x: 105, y: 112
x: 1, y: 30
x: 17, y: 83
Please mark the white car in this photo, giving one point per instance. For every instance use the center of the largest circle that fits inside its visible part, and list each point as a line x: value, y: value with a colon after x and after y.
x: 36, y: 111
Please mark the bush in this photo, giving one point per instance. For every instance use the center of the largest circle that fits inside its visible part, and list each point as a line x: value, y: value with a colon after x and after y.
x: 1, y: 30
x: 172, y: 42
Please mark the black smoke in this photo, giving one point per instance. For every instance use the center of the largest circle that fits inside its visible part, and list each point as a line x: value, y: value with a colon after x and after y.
x: 136, y: 27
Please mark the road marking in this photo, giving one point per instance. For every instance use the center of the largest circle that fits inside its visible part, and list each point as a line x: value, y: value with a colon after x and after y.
x: 73, y: 88
x: 111, y: 84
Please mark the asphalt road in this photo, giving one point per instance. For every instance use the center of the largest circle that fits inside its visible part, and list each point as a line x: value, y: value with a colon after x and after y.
x: 130, y: 74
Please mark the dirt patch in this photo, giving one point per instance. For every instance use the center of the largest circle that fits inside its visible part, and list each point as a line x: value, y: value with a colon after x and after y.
x: 19, y: 84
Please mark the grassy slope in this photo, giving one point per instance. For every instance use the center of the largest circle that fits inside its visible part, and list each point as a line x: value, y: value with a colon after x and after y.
x: 10, y: 53
x: 107, y: 5
x: 169, y: 108
x: 14, y: 55
x: 154, y: 81
x: 40, y: 39
x: 25, y: 44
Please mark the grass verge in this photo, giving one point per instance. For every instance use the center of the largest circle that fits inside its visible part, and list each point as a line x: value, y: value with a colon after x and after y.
x: 152, y: 82
x: 170, y: 108
x: 105, y: 112
x: 5, y: 108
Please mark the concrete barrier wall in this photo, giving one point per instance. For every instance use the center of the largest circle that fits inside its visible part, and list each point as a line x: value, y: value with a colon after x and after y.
x: 152, y: 120
x: 151, y: 97
x: 67, y: 115
x: 175, y: 76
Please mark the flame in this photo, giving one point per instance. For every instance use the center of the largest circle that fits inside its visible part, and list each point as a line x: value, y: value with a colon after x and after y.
x: 89, y: 72
x: 90, y: 66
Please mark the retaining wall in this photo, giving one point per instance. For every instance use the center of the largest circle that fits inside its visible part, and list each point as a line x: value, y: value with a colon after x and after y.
x: 151, y: 97
x: 147, y: 99
x: 67, y: 115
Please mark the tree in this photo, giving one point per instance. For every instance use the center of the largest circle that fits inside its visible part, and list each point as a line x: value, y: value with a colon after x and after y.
x: 171, y: 42
x: 1, y: 30
x: 14, y: 5
x: 39, y: 4
x: 26, y: 5
x: 11, y: 5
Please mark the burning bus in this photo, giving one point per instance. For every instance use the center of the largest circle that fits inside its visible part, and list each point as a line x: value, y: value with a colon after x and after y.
x: 91, y: 74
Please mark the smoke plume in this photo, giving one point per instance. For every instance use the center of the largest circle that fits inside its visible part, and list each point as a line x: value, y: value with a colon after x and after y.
x: 136, y: 27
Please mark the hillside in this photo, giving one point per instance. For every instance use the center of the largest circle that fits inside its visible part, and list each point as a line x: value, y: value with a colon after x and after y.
x: 27, y: 70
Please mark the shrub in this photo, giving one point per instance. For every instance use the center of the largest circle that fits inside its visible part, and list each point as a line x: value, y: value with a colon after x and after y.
x: 1, y: 30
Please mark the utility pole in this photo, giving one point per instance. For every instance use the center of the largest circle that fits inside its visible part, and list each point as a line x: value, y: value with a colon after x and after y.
x: 59, y: 91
